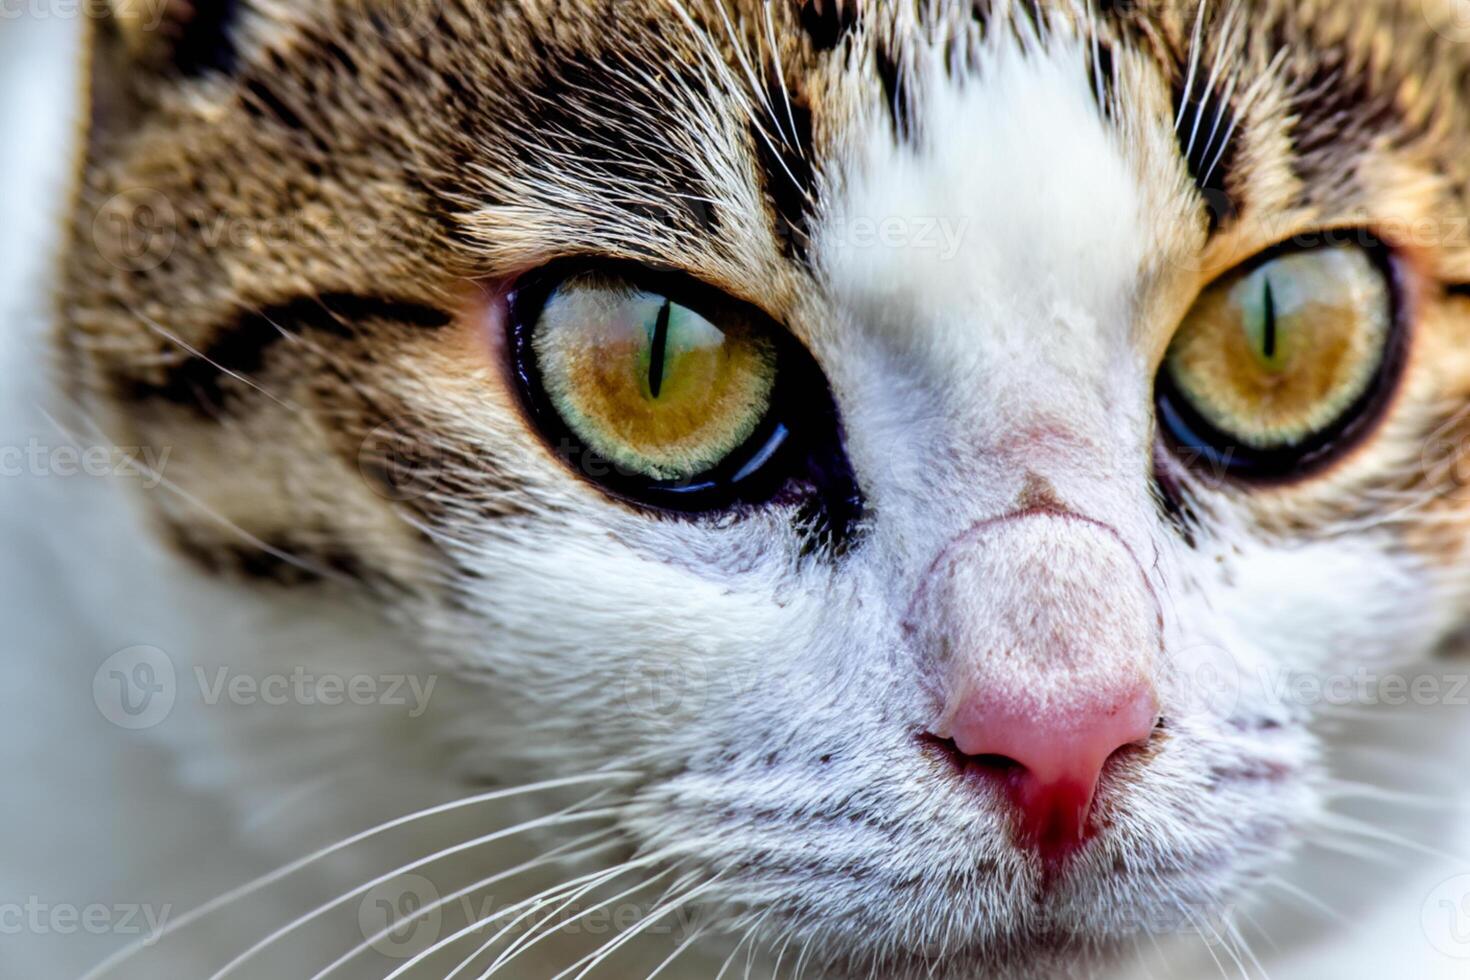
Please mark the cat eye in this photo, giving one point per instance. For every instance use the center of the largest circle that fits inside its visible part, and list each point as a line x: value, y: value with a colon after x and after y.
x: 665, y: 391
x: 1285, y: 361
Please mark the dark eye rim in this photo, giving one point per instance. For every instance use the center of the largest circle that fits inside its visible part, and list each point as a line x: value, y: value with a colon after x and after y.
x: 795, y: 451
x: 1202, y: 445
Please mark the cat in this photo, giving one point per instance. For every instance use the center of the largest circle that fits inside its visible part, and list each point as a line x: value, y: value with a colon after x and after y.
x: 920, y: 488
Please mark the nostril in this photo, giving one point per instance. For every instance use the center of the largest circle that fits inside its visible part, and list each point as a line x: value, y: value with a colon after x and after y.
x: 948, y: 751
x: 1049, y: 762
x: 995, y: 763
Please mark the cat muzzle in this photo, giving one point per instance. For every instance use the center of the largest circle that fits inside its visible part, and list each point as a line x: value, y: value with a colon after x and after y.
x: 1042, y: 634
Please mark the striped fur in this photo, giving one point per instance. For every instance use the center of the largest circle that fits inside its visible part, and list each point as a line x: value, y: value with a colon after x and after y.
x: 293, y: 228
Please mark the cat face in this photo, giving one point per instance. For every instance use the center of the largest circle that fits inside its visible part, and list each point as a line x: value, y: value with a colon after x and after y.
x: 918, y: 440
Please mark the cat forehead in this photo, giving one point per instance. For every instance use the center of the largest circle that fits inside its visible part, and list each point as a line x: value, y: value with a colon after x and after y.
x: 1004, y: 196
x: 757, y: 128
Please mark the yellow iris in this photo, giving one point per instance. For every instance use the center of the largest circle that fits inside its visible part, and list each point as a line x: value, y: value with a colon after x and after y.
x: 652, y: 386
x: 1278, y: 353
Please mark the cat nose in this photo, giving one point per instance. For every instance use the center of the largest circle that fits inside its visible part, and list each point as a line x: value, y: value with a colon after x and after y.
x: 1040, y: 636
x: 1050, y: 757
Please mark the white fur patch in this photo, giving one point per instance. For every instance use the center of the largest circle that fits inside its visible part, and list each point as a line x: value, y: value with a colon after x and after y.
x: 1035, y: 207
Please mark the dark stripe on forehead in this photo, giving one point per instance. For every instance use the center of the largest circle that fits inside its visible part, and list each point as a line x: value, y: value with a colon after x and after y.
x: 1103, y: 66
x: 205, y: 40
x: 241, y: 347
x: 827, y: 22
x: 618, y: 129
x: 1339, y: 116
x: 786, y: 156
x: 895, y: 92
x: 1209, y: 137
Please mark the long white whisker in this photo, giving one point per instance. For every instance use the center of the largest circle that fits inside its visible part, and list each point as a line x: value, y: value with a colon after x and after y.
x: 780, y: 70
x: 1347, y: 825
x: 568, y: 851
x: 1257, y: 926
x: 1309, y: 900
x: 781, y: 954
x: 1199, y: 931
x: 265, y: 881
x: 554, y: 820
x: 535, y: 901
x: 693, y: 938
x: 730, y: 960
x: 547, y: 926
x: 750, y: 956
x: 1240, y: 941
x: 1353, y: 849
x: 157, y: 328
x: 601, y: 955
x: 1196, y: 54
x: 1227, y: 31
x: 1348, y: 790
x: 214, y: 516
x: 1141, y: 958
x: 1229, y: 950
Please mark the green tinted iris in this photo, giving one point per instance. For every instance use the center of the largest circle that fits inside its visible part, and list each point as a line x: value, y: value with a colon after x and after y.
x: 1277, y: 353
x: 1267, y: 333
x: 649, y: 383
x: 676, y: 337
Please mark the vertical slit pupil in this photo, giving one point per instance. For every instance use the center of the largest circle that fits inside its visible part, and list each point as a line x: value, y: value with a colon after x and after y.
x: 659, y: 350
x: 1269, y: 338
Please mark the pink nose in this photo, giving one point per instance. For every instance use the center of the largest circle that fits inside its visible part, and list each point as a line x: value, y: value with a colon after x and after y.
x: 1052, y: 755
x: 1041, y: 636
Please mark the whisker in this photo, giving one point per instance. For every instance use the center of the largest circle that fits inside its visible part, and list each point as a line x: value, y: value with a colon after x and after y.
x: 780, y: 71
x: 560, y: 819
x: 750, y: 950
x: 1339, y: 789
x: 1351, y: 849
x: 1196, y: 54
x: 599, y: 956
x: 1309, y: 900
x: 265, y: 881
x: 1270, y: 941
x: 1227, y: 32
x: 158, y: 329
x: 319, y: 571
x: 801, y: 961
x: 566, y: 852
x: 693, y: 938
x: 535, y: 901
x: 540, y: 932
x: 730, y: 960
x: 1347, y: 825
x: 1141, y: 959
x: 781, y: 953
x: 1240, y: 941
x: 1229, y: 950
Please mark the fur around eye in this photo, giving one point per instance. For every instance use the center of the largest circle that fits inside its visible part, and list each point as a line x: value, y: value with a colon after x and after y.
x: 1283, y: 361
